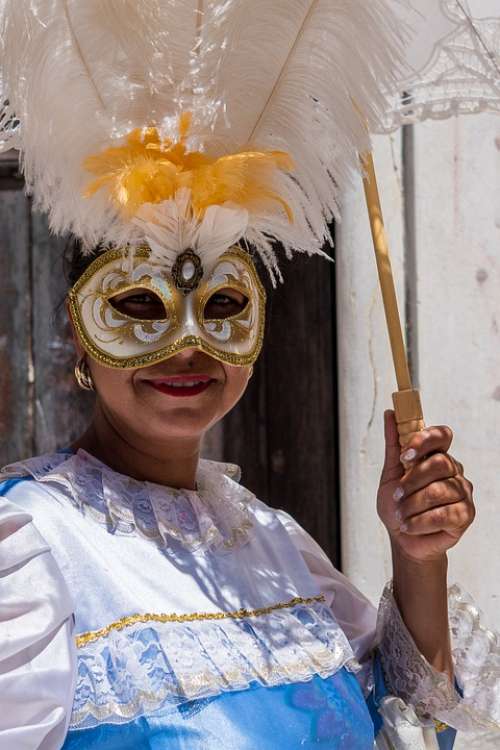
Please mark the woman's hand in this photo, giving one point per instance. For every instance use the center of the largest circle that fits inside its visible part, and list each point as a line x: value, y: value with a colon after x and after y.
x: 425, y: 503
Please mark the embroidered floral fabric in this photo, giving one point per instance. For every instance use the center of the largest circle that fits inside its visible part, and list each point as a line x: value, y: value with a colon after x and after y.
x: 215, y: 516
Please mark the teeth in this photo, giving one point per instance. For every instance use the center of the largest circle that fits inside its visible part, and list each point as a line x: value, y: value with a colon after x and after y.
x: 185, y: 384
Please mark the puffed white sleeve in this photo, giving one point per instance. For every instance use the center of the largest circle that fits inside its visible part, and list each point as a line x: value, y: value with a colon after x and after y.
x: 37, y: 653
x: 379, y: 638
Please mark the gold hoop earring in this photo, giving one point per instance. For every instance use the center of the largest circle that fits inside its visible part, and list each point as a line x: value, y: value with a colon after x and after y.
x: 83, y: 376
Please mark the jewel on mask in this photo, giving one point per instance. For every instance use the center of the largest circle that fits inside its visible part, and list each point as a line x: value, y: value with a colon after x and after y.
x: 187, y: 271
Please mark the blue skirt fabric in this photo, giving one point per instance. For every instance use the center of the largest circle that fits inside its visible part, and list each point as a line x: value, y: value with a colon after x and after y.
x: 329, y: 713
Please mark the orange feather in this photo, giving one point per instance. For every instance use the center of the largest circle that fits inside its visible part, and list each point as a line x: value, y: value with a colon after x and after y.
x: 148, y: 169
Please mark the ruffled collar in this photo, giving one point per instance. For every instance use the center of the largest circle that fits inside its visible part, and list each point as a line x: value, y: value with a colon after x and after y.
x: 215, y: 516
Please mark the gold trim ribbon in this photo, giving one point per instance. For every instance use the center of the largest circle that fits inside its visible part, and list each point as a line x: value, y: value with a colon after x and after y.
x: 240, y: 614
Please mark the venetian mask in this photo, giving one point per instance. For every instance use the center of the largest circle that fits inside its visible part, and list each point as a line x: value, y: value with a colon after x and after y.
x: 131, y: 311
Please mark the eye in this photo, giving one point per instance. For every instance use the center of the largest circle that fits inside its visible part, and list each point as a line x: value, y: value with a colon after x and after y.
x: 224, y: 304
x: 141, y: 304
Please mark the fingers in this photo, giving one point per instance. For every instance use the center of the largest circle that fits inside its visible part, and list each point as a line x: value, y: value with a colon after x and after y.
x: 432, y: 501
x: 452, y: 519
x: 430, y: 440
x: 444, y: 493
x: 439, y: 466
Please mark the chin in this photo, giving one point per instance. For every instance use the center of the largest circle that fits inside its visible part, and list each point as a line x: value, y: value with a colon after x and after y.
x: 179, y: 425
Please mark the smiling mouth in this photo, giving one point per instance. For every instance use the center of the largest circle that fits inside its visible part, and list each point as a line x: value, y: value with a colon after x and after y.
x: 182, y: 385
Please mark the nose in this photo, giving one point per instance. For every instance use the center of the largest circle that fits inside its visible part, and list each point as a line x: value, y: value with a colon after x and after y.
x: 186, y: 357
x: 197, y: 361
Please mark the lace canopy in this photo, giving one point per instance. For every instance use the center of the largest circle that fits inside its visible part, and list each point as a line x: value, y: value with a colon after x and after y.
x: 454, y: 61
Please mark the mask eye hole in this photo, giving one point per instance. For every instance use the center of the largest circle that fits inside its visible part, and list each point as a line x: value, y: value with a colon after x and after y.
x: 224, y: 304
x: 140, y: 304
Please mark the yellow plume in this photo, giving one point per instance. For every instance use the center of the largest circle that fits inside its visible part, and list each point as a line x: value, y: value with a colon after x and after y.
x: 148, y: 169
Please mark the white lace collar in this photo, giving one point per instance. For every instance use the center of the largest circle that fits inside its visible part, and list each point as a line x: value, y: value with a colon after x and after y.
x: 215, y: 516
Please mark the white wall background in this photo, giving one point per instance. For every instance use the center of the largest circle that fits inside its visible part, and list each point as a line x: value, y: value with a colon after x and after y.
x: 442, y: 209
x: 445, y: 204
x: 457, y: 239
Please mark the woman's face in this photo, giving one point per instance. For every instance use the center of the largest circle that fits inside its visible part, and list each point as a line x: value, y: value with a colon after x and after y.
x: 181, y: 397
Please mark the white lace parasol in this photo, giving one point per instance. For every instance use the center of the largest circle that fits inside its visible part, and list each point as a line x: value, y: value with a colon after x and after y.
x: 453, y: 58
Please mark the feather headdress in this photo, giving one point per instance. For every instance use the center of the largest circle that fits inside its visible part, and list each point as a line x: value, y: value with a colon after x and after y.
x: 121, y: 106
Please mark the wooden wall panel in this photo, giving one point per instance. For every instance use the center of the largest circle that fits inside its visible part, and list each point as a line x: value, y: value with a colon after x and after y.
x: 41, y: 407
x: 16, y: 373
x: 61, y: 409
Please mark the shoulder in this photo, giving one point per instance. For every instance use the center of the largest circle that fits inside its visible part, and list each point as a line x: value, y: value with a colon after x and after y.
x: 27, y: 567
x: 29, y: 483
x: 39, y: 492
x: 350, y: 606
x: 234, y: 505
x: 316, y: 558
x: 34, y: 467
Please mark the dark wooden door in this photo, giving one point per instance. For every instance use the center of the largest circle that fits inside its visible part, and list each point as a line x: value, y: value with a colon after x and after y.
x: 283, y: 433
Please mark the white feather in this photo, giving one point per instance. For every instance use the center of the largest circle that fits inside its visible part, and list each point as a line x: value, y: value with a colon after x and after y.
x: 79, y: 73
x: 296, y: 75
x: 220, y: 228
x: 169, y: 229
x: 283, y: 74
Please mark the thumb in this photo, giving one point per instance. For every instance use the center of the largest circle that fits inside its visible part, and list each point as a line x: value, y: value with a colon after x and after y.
x: 393, y: 468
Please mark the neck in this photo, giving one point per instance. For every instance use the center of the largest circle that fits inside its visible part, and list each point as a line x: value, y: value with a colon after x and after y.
x: 173, y: 462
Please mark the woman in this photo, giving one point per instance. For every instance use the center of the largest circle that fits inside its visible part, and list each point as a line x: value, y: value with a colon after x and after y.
x: 149, y: 600
x: 202, y: 617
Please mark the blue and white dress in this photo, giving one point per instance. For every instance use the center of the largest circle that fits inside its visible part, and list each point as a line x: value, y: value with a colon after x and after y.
x: 137, y: 616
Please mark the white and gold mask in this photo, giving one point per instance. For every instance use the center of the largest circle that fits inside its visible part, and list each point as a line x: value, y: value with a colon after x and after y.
x: 134, y: 312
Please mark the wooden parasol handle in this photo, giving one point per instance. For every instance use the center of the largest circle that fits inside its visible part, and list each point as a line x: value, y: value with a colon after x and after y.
x: 407, y: 402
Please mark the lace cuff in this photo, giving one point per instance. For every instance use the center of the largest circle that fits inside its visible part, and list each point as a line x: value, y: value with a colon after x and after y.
x: 476, y: 656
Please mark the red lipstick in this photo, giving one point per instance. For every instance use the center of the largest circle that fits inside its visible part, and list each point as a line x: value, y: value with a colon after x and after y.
x: 181, y: 385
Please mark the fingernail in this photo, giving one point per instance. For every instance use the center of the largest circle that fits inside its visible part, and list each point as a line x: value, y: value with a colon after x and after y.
x: 403, y: 527
x: 409, y: 455
x: 399, y: 494
x: 399, y: 517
